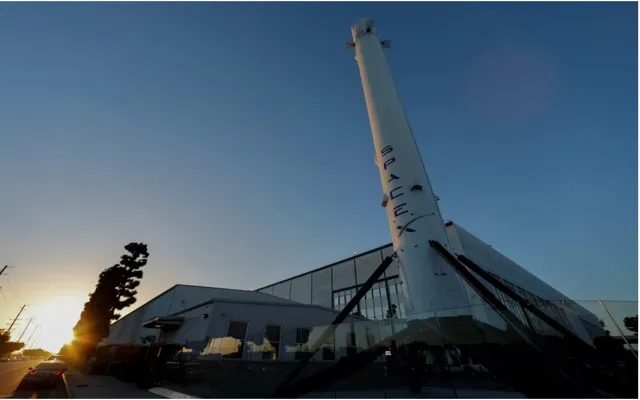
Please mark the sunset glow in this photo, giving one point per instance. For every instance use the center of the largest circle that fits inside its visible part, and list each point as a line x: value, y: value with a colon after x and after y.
x: 56, y: 318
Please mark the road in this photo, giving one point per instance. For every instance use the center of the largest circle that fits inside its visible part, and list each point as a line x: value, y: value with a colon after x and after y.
x: 11, y: 374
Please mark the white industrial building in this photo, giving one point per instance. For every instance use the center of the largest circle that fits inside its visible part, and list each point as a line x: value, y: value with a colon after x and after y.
x: 281, y: 320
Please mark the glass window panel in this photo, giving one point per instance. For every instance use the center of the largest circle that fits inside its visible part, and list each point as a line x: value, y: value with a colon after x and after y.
x: 366, y: 265
x: 328, y: 352
x: 322, y: 287
x: 343, y: 275
x: 282, y: 290
x: 271, y: 342
x: 369, y: 302
x: 302, y: 335
x: 267, y: 290
x: 233, y: 344
x: 392, y: 289
x: 301, y: 289
x: 363, y: 308
x: 379, y: 313
x: 392, y: 269
x: 302, y: 342
x: 347, y: 299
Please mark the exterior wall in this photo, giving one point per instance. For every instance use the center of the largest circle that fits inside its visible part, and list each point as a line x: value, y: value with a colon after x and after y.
x: 570, y: 313
x: 128, y: 329
x: 204, y: 337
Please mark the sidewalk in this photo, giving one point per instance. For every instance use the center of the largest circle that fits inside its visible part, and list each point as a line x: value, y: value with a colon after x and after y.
x: 103, y: 387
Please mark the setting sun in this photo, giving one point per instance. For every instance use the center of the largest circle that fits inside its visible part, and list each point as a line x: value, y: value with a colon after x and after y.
x: 56, y: 318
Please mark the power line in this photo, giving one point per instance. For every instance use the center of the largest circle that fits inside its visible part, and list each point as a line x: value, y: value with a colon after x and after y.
x: 30, y: 336
x: 25, y: 329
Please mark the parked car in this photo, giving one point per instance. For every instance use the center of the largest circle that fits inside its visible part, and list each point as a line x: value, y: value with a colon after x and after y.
x: 58, y: 357
x: 46, y: 375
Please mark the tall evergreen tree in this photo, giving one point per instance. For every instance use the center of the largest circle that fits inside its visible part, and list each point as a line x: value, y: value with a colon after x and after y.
x: 115, y: 290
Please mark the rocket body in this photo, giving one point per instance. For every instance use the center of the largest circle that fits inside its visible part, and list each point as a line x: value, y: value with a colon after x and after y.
x: 429, y: 284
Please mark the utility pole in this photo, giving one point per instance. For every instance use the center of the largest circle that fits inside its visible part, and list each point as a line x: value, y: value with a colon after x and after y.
x: 16, y: 318
x: 25, y: 329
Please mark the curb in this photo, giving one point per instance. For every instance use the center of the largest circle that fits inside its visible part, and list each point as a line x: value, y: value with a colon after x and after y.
x: 170, y: 394
x: 67, y: 388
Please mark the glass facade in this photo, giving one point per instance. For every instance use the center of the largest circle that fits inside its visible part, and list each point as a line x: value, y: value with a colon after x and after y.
x: 335, y: 285
x: 344, y: 275
x: 282, y: 290
x: 301, y: 289
x: 366, y: 265
x: 322, y: 287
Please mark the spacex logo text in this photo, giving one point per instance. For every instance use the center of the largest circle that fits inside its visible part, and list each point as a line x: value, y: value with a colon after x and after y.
x: 400, y: 206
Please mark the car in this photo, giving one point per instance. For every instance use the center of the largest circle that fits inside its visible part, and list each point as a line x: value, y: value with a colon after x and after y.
x: 46, y: 375
x: 57, y: 357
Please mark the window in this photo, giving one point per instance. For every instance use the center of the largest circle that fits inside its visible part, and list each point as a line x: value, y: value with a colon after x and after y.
x: 366, y: 265
x: 329, y: 350
x: 343, y: 275
x: 342, y: 298
x: 233, y: 343
x: 301, y: 289
x: 267, y: 290
x: 282, y: 290
x: 302, y: 342
x: 271, y: 342
x: 322, y: 287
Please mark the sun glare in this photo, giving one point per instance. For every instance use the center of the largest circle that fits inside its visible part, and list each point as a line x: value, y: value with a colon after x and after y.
x: 56, y: 318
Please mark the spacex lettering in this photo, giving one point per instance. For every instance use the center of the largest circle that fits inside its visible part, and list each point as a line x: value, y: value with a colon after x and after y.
x: 388, y: 159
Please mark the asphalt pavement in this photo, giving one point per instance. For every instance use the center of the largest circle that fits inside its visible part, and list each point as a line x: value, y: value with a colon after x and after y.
x: 12, y: 372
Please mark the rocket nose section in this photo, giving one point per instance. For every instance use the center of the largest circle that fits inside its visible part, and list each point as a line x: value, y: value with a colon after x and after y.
x: 365, y: 25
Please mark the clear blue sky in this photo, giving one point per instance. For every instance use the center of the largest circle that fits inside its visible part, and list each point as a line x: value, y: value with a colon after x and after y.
x: 234, y: 140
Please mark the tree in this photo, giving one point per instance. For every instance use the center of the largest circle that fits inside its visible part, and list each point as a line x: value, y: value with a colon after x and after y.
x: 6, y: 345
x: 115, y: 290
x: 38, y: 353
x: 631, y: 323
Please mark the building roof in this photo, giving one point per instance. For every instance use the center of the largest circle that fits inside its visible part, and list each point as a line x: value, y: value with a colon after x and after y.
x: 267, y: 299
x: 241, y: 295
x: 353, y: 257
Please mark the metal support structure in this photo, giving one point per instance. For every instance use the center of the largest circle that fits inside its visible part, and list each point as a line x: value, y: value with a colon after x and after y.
x: 475, y: 268
x: 336, y: 322
x: 551, y: 359
x: 618, y: 328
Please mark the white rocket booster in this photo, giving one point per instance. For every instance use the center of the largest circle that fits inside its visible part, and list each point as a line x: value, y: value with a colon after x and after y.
x: 429, y: 284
